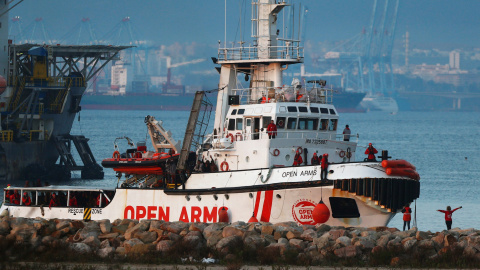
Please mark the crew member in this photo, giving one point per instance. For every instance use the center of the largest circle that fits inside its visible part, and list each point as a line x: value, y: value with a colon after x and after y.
x: 72, y: 202
x: 272, y: 130
x: 324, y: 167
x: 315, y: 160
x: 297, y: 160
x: 371, y: 151
x: 15, y: 197
x: 53, y: 201
x: 407, y: 216
x: 448, y: 216
x: 26, y: 199
x: 346, y: 133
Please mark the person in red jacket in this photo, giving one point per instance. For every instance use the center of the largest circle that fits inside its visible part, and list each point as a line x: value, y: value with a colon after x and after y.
x: 324, y: 166
x: 15, y: 197
x: 73, y: 200
x: 26, y: 199
x: 448, y: 216
x: 272, y: 130
x: 315, y: 160
x: 407, y: 216
x: 297, y: 160
x: 53, y: 201
x: 371, y: 151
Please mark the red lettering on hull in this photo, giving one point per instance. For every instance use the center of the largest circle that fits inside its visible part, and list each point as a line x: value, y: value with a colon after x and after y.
x: 149, y: 212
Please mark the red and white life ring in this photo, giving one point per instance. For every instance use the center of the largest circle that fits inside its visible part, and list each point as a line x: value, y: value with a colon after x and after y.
x: 280, y: 123
x: 116, y: 155
x: 238, y: 136
x: 342, y: 154
x: 276, y: 152
x: 300, y: 150
x: 232, y: 138
x: 224, y: 166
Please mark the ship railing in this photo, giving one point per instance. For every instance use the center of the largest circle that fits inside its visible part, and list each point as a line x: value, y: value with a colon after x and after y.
x: 291, y: 51
x: 260, y: 95
x: 38, y: 195
x: 6, y: 135
x: 55, y: 82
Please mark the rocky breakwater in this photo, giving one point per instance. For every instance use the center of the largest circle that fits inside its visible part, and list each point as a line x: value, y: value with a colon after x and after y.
x: 264, y: 243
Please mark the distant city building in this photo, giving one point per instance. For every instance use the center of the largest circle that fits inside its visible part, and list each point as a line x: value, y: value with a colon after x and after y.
x: 455, y: 60
x: 120, y: 77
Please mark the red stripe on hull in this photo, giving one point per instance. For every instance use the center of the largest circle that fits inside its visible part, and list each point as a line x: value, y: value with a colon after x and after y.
x: 267, y: 206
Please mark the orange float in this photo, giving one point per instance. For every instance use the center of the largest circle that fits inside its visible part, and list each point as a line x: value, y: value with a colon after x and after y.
x: 399, y: 163
x: 408, y: 172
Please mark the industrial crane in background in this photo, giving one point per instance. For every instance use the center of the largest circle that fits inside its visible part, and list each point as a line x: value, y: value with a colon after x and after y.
x: 169, y: 87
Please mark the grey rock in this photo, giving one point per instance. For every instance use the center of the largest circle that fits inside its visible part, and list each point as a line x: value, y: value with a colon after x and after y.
x: 92, y: 242
x: 227, y: 244
x: 344, y: 241
x: 140, y: 227
x: 146, y: 237
x: 298, y: 243
x: 164, y: 245
x: 80, y: 248
x: 106, y: 226
x: 106, y: 252
x: 282, y: 241
x: 308, y: 235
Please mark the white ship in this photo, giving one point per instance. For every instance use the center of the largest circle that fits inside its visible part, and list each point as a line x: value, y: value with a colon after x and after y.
x: 256, y: 181
x: 379, y: 103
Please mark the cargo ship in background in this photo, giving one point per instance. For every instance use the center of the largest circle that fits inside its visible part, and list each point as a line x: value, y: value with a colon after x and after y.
x: 344, y: 101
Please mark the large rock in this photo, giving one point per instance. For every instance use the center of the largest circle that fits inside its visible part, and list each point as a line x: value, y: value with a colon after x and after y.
x: 439, y: 239
x: 293, y: 234
x: 91, y: 229
x: 106, y: 226
x: 347, y: 252
x: 146, y: 237
x: 80, y: 248
x: 4, y: 227
x: 199, y: 227
x: 450, y: 240
x: 409, y: 243
x: 213, y: 229
x: 213, y: 237
x: 267, y: 229
x: 231, y: 231
x: 321, y: 242
x: 383, y: 240
x: 334, y: 234
x: 344, y: 241
x: 23, y: 232
x: 62, y: 224
x: 120, y: 229
x: 92, y: 242
x: 106, y: 252
x: 175, y: 227
x: 308, y: 235
x: 364, y: 243
x: 108, y: 236
x: 140, y: 227
x: 420, y: 235
x: 164, y: 245
x: 228, y: 244
x: 254, y: 242
x: 299, y: 244
x: 129, y: 244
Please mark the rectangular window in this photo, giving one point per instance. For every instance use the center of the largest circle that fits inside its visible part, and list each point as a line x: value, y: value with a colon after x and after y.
x: 332, y: 112
x: 241, y: 111
x: 324, y: 110
x: 292, y: 109
x: 292, y: 123
x: 231, y: 124
x: 314, y: 109
x: 239, y: 123
x: 266, y: 121
x: 281, y: 122
x: 302, y: 109
x: 307, y: 124
x: 333, y: 124
x: 344, y: 207
x: 324, y: 124
x: 234, y: 112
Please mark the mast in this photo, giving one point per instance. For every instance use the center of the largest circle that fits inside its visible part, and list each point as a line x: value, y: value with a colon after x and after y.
x: 263, y: 61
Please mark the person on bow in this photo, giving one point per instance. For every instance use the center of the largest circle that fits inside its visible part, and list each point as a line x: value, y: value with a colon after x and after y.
x: 26, y: 199
x: 324, y: 167
x: 53, y: 201
x: 315, y: 160
x: 272, y: 130
x: 407, y: 216
x: 297, y: 160
x: 448, y: 216
x: 371, y: 151
x: 346, y: 133
x: 15, y: 197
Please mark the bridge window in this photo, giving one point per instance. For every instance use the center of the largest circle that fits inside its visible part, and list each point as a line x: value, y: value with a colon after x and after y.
x: 314, y: 109
x: 292, y: 123
x: 324, y: 124
x: 324, y: 110
x: 307, y: 124
x: 303, y: 109
x: 281, y: 122
x: 332, y: 112
x: 292, y: 109
x: 266, y: 121
x: 241, y: 111
x: 282, y: 109
x: 333, y: 124
x: 234, y: 112
x: 239, y: 124
x: 231, y: 124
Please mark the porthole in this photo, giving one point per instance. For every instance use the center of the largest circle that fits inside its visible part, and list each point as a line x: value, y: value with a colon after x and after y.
x: 287, y: 157
x: 247, y: 158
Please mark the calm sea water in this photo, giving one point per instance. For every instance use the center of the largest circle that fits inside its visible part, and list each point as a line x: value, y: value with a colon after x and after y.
x: 444, y: 146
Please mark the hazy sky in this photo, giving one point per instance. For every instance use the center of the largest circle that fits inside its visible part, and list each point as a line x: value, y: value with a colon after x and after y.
x: 432, y: 23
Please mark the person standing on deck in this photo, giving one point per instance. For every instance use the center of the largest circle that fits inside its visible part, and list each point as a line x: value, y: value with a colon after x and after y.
x: 53, y: 201
x: 315, y: 160
x: 324, y: 167
x: 346, y: 133
x: 448, y: 216
x: 407, y: 216
x: 371, y: 151
x: 272, y: 130
x: 297, y: 160
x: 26, y: 199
